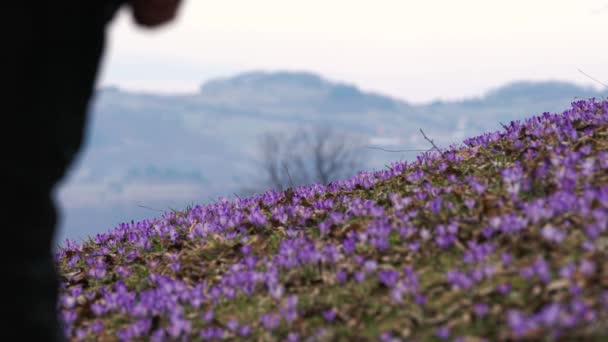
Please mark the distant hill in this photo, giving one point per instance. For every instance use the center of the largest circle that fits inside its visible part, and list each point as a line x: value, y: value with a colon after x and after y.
x: 161, y: 150
x: 528, y: 91
x: 293, y: 89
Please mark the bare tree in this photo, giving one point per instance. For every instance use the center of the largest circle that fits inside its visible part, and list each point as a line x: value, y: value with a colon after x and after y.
x: 319, y: 154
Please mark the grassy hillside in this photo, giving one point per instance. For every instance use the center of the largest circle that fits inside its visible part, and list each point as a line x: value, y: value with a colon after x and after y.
x: 503, y: 238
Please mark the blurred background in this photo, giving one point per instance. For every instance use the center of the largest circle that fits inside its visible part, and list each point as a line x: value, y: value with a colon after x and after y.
x: 237, y: 97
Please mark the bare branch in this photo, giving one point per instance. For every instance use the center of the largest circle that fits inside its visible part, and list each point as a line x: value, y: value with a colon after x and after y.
x: 271, y: 160
x: 287, y: 171
x: 385, y: 150
x: 582, y: 72
x: 316, y: 154
x: 432, y: 143
x: 143, y: 206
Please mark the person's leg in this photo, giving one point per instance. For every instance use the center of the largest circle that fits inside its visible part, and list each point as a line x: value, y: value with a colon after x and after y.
x: 33, y: 297
x: 55, y: 51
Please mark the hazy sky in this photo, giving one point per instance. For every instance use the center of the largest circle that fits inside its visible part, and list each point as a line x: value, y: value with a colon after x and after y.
x: 414, y: 50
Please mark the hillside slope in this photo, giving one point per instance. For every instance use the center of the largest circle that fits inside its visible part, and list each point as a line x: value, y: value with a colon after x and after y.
x: 222, y: 124
x: 503, y: 238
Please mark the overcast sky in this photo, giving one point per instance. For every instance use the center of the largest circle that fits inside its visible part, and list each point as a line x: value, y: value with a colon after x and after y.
x: 414, y: 50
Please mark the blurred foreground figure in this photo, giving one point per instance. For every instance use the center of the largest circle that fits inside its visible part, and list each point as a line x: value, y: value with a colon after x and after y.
x: 50, y: 66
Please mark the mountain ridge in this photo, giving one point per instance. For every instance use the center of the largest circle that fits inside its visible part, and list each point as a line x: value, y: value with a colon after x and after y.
x: 265, y: 80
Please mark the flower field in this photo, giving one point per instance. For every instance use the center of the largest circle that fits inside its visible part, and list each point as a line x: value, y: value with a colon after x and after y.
x: 504, y: 238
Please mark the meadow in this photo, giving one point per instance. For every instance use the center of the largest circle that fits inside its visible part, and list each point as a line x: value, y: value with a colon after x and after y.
x: 502, y: 238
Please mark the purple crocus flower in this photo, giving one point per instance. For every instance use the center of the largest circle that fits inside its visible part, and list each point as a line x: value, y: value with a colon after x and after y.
x: 420, y: 299
x: 293, y: 337
x: 414, y: 246
x: 292, y: 302
x: 257, y: 217
x: 68, y: 316
x: 480, y: 309
x: 575, y: 290
x: 329, y: 315
x: 506, y: 259
x: 348, y: 245
x: 207, y: 334
x: 388, y: 277
x: 587, y: 267
x: 567, y: 271
x: 503, y: 288
x: 550, y: 314
x: 397, y: 294
x: 541, y: 268
x: 290, y: 315
x: 324, y: 227
x: 517, y: 322
x: 125, y: 334
x: 208, y: 316
x: 97, y: 327
x: 359, y: 276
x: 232, y: 324
x: 469, y: 203
x: 246, y: 250
x: 244, y: 330
x: 478, y: 187
x: 270, y: 321
x: 370, y: 266
x: 550, y: 233
x: 435, y: 205
x: 276, y: 291
x: 179, y: 326
x: 341, y: 276
x: 443, y: 332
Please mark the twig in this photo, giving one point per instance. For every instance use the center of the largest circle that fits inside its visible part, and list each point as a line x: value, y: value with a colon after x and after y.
x: 432, y: 143
x: 142, y: 206
x: 582, y: 72
x: 385, y: 150
x: 503, y: 126
x: 288, y: 175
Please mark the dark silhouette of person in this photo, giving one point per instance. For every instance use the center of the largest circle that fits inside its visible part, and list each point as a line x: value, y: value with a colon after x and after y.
x: 51, y: 52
